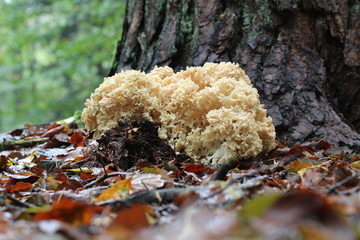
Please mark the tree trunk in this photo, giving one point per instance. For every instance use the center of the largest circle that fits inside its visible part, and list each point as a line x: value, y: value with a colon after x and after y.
x: 302, y: 55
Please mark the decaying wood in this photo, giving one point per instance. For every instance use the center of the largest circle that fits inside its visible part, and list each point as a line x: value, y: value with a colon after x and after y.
x: 302, y: 56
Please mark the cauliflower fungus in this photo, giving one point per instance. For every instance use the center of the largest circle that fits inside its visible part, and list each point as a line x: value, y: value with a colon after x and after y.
x: 211, y: 112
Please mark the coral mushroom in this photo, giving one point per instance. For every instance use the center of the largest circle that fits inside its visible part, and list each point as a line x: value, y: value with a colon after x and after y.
x: 212, y: 112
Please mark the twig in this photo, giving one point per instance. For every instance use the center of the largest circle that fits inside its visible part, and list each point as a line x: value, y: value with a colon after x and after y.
x: 225, y: 168
x: 334, y: 187
x: 183, y: 185
x: 17, y: 202
x: 349, y: 191
x: 142, y: 182
x: 19, y: 143
x: 150, y: 197
x: 254, y: 172
x: 242, y: 186
x: 103, y: 177
x: 168, y: 194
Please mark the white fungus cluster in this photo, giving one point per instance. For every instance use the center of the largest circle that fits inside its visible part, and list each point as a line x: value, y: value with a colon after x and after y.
x: 212, y: 112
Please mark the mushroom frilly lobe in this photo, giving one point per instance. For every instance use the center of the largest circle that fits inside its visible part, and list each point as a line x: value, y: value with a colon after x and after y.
x: 212, y: 113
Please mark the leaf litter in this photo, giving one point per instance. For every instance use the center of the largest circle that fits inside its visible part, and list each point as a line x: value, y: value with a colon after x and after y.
x: 130, y: 184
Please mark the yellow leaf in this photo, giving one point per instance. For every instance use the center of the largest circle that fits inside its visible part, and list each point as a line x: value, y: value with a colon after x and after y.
x: 119, y: 190
x: 259, y: 204
x: 355, y: 164
x: 302, y: 171
x: 51, y: 183
x: 79, y: 170
x: 296, y: 166
x: 158, y: 171
x: 154, y: 171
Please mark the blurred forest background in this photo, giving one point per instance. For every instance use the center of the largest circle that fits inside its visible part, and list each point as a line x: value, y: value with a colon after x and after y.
x: 53, y: 54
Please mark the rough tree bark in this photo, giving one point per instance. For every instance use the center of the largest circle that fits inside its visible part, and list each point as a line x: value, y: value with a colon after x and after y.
x: 302, y: 55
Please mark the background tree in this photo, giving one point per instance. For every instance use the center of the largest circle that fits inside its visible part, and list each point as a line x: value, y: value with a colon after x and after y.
x: 302, y: 55
x: 52, y: 56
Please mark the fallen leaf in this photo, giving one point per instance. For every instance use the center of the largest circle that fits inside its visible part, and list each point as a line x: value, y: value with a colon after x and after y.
x: 154, y: 171
x: 301, y: 208
x: 317, y: 178
x: 194, y: 168
x: 355, y: 164
x: 28, y: 177
x: 258, y: 205
x: 76, y: 154
x: 66, y: 182
x: 77, y: 138
x: 4, y: 224
x: 296, y: 166
x: 196, y: 222
x: 61, y: 177
x: 128, y: 222
x: 19, y: 186
x: 3, y: 162
x: 53, y: 131
x: 355, y: 158
x: 66, y: 210
x: 62, y: 137
x: 16, y: 132
x: 134, y: 217
x: 148, y: 182
x: 119, y: 190
x: 164, y: 175
x: 86, y: 176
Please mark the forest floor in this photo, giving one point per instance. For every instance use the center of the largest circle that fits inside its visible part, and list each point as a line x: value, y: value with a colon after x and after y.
x: 56, y: 182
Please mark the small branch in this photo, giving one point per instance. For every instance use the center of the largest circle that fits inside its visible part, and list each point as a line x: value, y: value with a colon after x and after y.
x: 349, y: 191
x: 20, y: 143
x: 332, y: 188
x: 105, y: 176
x: 169, y: 194
x: 150, y: 197
x: 250, y: 183
x: 17, y: 202
x: 225, y: 168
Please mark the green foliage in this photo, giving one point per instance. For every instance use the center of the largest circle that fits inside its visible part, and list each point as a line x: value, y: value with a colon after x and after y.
x: 78, y: 120
x: 52, y: 56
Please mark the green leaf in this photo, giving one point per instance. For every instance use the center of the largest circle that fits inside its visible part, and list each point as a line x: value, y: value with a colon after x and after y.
x: 259, y: 204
